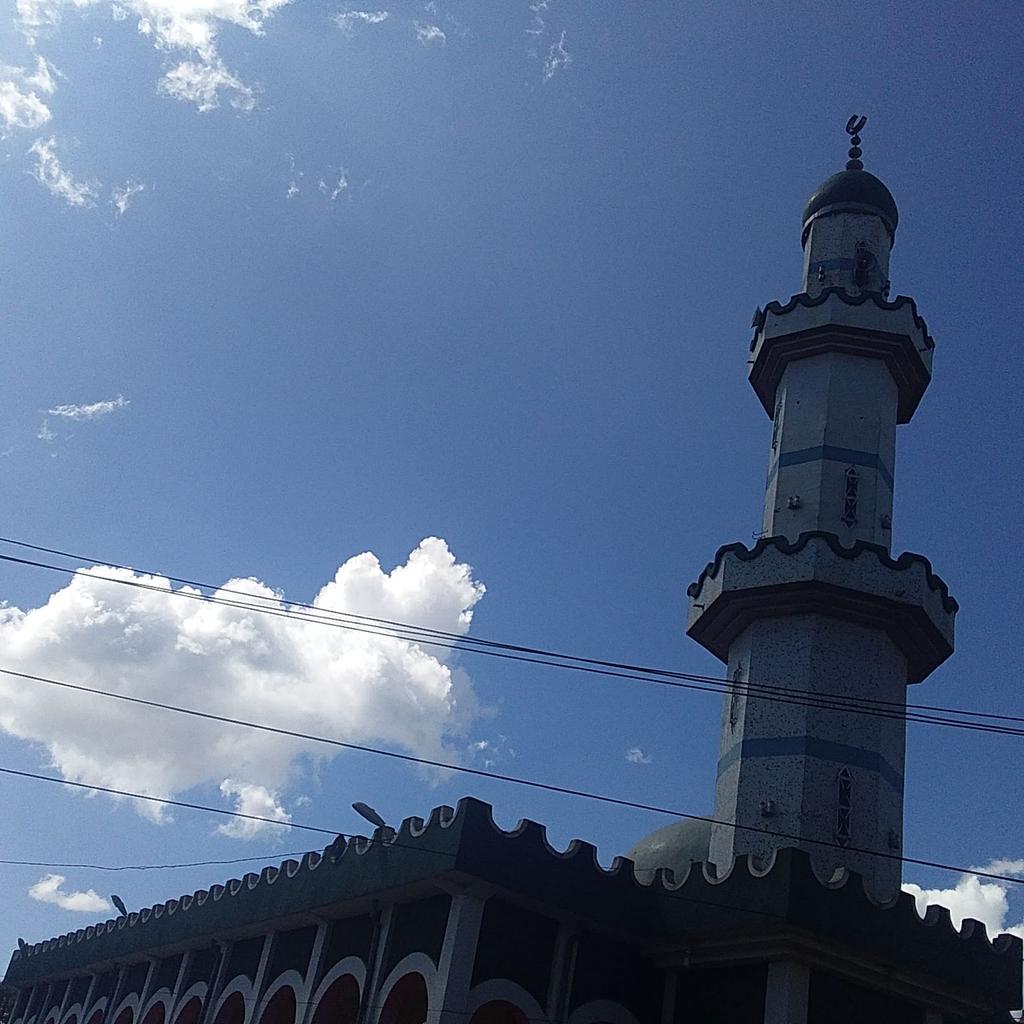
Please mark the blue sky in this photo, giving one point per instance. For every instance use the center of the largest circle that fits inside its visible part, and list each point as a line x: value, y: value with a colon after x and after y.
x: 481, y: 272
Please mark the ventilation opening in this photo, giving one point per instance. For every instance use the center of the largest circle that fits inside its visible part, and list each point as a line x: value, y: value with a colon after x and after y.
x: 844, y: 806
x: 850, y: 497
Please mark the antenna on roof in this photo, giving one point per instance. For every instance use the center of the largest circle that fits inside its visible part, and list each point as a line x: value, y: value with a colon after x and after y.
x: 853, y: 128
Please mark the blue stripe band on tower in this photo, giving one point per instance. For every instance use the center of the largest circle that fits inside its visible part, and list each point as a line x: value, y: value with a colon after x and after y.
x: 811, y: 746
x: 832, y: 453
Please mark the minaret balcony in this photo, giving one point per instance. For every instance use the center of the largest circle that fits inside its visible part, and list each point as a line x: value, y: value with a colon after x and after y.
x: 816, y: 575
x: 836, y: 321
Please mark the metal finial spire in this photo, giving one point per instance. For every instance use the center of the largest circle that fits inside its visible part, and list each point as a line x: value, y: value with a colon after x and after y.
x: 853, y: 128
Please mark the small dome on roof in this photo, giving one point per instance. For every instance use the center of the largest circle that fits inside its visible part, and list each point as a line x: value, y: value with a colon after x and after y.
x: 852, y: 191
x: 675, y: 846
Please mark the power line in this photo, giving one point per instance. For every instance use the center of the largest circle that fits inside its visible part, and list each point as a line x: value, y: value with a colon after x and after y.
x: 784, y: 695
x: 472, y: 640
x: 144, y: 867
x: 447, y: 766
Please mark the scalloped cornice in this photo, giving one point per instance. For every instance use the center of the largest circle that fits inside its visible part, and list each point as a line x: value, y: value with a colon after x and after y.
x: 902, y: 562
x: 808, y: 301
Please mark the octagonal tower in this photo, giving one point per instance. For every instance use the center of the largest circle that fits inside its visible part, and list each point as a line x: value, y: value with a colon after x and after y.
x: 818, y: 610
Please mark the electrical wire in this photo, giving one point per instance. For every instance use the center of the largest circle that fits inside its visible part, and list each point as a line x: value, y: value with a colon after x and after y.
x: 145, y: 867
x: 447, y: 766
x: 473, y: 640
x: 783, y: 695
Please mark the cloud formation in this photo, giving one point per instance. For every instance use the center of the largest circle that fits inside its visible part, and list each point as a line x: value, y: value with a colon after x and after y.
x: 427, y: 33
x: 635, y: 755
x: 235, y: 662
x: 121, y: 196
x: 56, y: 179
x: 255, y: 800
x: 558, y: 57
x: 201, y: 82
x: 174, y: 25
x: 348, y: 20
x: 48, y: 890
x: 92, y: 411
x: 20, y: 105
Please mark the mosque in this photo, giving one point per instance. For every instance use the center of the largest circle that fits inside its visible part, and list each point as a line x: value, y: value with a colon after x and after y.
x: 784, y: 907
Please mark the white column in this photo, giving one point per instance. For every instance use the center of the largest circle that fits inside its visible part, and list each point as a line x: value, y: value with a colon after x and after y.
x: 563, y: 969
x: 89, y: 995
x: 261, y: 974
x: 785, y: 999
x: 304, y: 1012
x: 115, y: 996
x: 147, y: 987
x: 179, y: 984
x: 458, y: 953
x: 370, y: 1004
x: 216, y: 985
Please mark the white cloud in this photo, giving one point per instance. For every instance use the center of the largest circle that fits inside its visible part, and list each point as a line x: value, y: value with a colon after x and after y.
x: 56, y: 179
x: 339, y: 187
x: 558, y: 57
x: 428, y: 34
x: 48, y: 890
x: 302, y: 676
x: 538, y: 10
x: 121, y: 196
x: 347, y: 20
x: 637, y: 756
x: 251, y: 799
x: 172, y: 24
x: 201, y: 83
x: 491, y: 752
x: 92, y: 411
x: 183, y: 25
x: 984, y: 900
x: 20, y: 105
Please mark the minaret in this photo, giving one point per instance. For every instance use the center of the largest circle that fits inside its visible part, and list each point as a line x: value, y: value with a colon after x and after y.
x: 818, y: 608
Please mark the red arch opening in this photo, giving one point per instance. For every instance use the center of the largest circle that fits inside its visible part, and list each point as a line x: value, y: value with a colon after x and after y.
x: 232, y: 1011
x: 407, y: 1001
x: 157, y: 1014
x: 281, y: 1008
x: 189, y: 1013
x: 499, y: 1011
x: 97, y: 1017
x: 126, y: 1016
x: 340, y: 1003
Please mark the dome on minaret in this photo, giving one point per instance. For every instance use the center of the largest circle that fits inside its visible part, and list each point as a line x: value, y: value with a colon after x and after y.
x: 851, y: 191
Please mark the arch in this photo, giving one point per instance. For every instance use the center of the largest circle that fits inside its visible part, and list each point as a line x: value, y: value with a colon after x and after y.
x: 350, y: 965
x: 407, y: 1002
x: 156, y: 1014
x: 126, y: 1015
x: 98, y: 1011
x: 191, y: 1006
x: 280, y: 1007
x: 418, y: 963
x: 602, y: 1011
x: 287, y: 979
x: 231, y: 1009
x: 72, y: 1015
x: 499, y: 1011
x: 339, y: 1003
x: 501, y: 990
